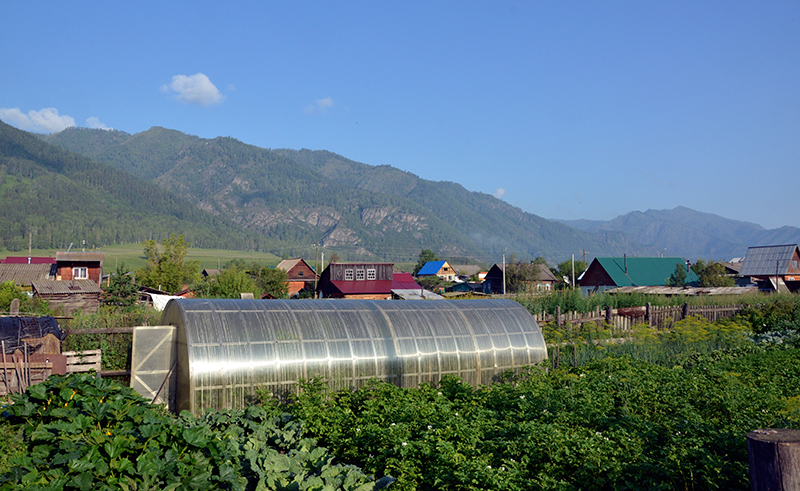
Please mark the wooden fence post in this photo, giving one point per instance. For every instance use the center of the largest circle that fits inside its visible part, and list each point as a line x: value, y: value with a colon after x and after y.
x: 648, y: 313
x: 608, y: 315
x: 774, y: 459
x: 558, y: 315
x: 685, y: 312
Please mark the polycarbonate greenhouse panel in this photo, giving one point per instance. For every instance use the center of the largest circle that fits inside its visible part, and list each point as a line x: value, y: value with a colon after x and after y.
x: 152, y: 361
x: 228, y: 350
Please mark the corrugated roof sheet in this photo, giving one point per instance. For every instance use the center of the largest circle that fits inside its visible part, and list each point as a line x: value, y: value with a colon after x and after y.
x: 28, y: 260
x: 417, y: 295
x: 80, y: 256
x: 65, y: 287
x: 643, y: 271
x: 431, y: 268
x: 690, y: 291
x: 767, y: 260
x: 404, y: 281
x: 363, y: 287
x: 287, y: 264
x: 25, y: 274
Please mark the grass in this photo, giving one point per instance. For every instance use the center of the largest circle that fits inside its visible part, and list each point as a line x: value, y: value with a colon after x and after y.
x: 133, y: 256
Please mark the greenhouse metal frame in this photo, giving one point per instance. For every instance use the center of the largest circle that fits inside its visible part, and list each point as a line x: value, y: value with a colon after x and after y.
x: 218, y: 353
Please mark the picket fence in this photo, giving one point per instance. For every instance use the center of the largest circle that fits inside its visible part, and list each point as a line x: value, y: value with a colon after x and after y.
x: 623, y: 319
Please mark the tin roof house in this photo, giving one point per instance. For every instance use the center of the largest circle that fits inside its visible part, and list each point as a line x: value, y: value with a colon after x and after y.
x: 365, y: 281
x: 773, y: 268
x: 605, y: 273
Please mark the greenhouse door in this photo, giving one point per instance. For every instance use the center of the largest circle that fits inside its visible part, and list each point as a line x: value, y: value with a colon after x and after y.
x: 153, y: 362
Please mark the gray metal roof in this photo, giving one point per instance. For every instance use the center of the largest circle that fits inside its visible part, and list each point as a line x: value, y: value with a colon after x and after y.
x: 25, y: 274
x: 48, y: 287
x: 80, y: 256
x: 767, y: 260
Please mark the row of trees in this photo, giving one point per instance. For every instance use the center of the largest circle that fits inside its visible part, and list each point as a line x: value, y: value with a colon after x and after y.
x: 168, y: 269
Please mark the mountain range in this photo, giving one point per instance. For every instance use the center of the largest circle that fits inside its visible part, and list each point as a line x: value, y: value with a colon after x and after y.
x: 110, y: 186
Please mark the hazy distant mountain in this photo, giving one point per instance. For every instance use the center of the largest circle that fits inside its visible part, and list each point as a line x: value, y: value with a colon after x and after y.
x: 691, y: 234
x: 302, y: 197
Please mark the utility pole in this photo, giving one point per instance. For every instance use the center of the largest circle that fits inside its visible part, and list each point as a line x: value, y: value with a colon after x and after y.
x: 573, y: 271
x: 504, y: 270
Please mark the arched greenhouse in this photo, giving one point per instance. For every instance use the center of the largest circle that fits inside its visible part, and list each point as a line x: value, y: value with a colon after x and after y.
x: 215, y: 353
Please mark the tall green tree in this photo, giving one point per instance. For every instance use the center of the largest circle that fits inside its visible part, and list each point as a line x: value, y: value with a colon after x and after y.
x: 167, y: 268
x: 713, y: 274
x: 272, y: 281
x: 425, y: 256
x: 678, y: 278
x: 121, y: 289
x: 564, y: 269
x: 232, y: 282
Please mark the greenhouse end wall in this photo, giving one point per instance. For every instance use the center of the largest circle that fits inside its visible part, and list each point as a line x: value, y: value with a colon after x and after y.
x: 229, y: 349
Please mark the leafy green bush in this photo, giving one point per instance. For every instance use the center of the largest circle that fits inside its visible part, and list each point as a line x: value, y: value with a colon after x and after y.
x: 613, y: 423
x: 81, y: 432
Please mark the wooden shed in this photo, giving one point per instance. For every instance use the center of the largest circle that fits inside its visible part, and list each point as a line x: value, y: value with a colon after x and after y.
x: 70, y: 295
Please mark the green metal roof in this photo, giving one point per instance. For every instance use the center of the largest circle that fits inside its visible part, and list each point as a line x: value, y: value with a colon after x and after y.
x: 643, y: 271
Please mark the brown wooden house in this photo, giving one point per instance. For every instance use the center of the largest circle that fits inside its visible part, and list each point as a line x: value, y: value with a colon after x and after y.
x: 69, y: 295
x: 80, y: 266
x: 301, y: 275
x: 367, y: 281
x: 775, y: 268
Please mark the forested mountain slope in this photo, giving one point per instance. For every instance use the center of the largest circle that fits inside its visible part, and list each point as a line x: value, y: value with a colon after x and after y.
x: 355, y: 209
x: 60, y: 197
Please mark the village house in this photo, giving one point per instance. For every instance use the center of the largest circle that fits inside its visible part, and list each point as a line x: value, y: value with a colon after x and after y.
x: 442, y: 269
x: 366, y: 281
x: 773, y: 268
x: 301, y: 276
x: 605, y: 273
x: 545, y: 280
x: 80, y: 266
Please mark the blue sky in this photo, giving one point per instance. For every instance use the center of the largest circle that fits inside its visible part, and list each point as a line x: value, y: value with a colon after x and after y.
x: 564, y: 109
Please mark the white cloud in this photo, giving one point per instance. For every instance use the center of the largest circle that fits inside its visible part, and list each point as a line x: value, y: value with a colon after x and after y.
x: 46, y: 120
x: 194, y: 89
x: 319, y: 106
x: 95, y: 123
x: 499, y: 193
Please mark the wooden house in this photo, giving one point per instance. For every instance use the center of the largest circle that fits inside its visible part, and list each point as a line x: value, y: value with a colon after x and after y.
x: 69, y: 295
x: 80, y: 266
x: 773, y: 268
x: 301, y: 276
x: 442, y: 269
x: 545, y: 280
x: 605, y: 273
x: 369, y: 281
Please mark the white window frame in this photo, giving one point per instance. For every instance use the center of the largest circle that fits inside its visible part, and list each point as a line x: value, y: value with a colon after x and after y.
x: 360, y: 275
x: 372, y: 274
x: 348, y: 275
x: 80, y: 273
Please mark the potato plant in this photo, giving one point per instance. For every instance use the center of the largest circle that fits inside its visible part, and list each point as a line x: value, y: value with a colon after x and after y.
x: 80, y: 432
x: 612, y: 423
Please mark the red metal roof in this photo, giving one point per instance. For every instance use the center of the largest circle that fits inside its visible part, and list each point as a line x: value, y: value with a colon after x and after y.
x: 363, y: 287
x: 28, y: 260
x: 404, y: 281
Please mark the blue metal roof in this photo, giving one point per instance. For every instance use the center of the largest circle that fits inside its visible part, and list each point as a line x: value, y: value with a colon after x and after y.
x: 431, y: 268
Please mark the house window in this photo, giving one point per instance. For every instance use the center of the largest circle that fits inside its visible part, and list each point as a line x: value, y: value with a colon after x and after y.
x: 371, y: 275
x: 300, y: 273
x: 80, y: 273
x: 348, y: 275
x: 794, y: 264
x: 360, y: 274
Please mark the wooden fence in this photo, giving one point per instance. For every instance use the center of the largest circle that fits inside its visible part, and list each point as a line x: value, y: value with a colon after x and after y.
x: 623, y: 319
